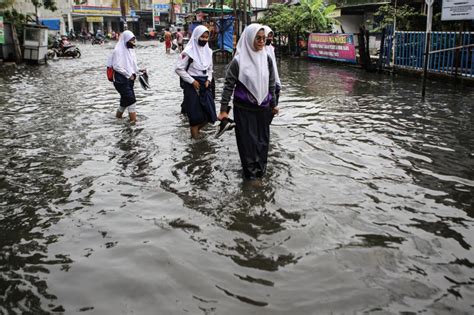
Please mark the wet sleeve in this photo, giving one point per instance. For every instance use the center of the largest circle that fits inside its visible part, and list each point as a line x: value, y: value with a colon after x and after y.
x: 271, y: 84
x: 181, y: 66
x: 231, y: 78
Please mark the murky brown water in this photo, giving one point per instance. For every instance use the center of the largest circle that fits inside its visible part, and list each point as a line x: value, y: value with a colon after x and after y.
x: 367, y: 205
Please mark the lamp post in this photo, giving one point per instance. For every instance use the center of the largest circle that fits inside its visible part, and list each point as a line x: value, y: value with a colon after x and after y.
x: 123, y: 11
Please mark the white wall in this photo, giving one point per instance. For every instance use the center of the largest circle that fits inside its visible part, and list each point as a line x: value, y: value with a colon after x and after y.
x: 64, y: 8
x: 258, y: 3
x: 350, y: 23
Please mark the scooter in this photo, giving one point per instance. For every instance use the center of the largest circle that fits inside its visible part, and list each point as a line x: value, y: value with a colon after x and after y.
x: 62, y: 48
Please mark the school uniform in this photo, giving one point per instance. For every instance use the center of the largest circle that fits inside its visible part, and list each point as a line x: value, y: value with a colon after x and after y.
x: 195, y: 63
x: 271, y: 52
x: 124, y: 62
x: 250, y: 77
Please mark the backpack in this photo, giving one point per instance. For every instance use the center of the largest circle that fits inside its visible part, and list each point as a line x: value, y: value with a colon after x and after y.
x: 110, y: 74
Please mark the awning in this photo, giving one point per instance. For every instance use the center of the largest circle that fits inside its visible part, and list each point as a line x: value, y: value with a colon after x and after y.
x: 226, y: 10
x: 52, y: 24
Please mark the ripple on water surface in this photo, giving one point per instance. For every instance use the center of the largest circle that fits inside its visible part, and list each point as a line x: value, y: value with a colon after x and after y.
x: 366, y: 206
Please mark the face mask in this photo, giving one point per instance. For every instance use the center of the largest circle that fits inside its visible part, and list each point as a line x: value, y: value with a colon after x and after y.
x: 202, y: 43
x: 268, y: 42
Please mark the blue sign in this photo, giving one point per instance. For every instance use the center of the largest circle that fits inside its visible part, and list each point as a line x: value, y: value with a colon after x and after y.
x: 161, y: 7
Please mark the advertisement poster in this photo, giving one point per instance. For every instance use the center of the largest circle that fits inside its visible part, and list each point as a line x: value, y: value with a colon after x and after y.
x: 2, y: 31
x: 156, y: 19
x: 338, y: 47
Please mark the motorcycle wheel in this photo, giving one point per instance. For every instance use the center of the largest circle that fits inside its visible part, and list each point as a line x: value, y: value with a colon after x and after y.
x: 51, y: 54
x: 77, y: 54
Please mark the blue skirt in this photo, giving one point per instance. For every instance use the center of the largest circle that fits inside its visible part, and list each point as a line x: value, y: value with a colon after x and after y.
x: 252, y: 133
x: 125, y: 87
x: 199, y: 107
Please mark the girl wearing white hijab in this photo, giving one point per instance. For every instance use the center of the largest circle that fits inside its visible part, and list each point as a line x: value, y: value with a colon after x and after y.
x: 271, y: 52
x: 124, y: 62
x: 250, y: 77
x: 194, y: 68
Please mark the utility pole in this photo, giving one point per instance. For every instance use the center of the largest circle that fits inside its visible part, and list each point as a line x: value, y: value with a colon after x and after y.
x: 123, y: 11
x: 429, y: 21
x: 245, y: 13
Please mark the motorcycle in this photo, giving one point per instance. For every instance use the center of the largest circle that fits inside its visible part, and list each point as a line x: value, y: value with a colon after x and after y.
x: 97, y: 40
x: 62, y: 48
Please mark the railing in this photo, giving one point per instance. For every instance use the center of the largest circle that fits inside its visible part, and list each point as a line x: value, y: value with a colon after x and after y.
x: 409, y: 52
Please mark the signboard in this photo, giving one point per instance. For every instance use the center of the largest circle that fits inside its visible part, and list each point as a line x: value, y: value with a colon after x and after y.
x: 457, y: 10
x: 2, y: 31
x: 95, y: 19
x: 180, y: 18
x: 338, y: 47
x: 156, y: 19
x: 161, y: 8
x: 335, y: 14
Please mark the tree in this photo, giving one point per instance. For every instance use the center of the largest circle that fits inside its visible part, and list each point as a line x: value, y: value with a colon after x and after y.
x: 47, y: 4
x: 309, y: 16
x: 408, y: 18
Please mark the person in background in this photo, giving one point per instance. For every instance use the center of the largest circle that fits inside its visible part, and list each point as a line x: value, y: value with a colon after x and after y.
x: 124, y: 63
x: 271, y: 52
x: 168, y: 37
x: 180, y: 39
x: 194, y: 67
x: 251, y: 78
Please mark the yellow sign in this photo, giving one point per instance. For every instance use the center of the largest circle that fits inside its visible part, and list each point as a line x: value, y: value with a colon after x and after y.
x: 335, y: 14
x: 95, y: 19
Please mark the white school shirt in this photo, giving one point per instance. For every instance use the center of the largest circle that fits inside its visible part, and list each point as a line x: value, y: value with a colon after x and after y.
x: 187, y: 76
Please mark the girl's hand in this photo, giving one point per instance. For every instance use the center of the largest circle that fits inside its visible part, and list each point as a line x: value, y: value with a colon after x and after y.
x: 196, y: 85
x: 275, y: 111
x: 207, y: 84
x: 223, y: 115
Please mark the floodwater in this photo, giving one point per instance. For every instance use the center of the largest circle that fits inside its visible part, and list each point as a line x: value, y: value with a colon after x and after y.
x: 367, y: 206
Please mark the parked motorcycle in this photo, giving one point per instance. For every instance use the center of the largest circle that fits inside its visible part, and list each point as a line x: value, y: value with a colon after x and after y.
x: 63, y: 48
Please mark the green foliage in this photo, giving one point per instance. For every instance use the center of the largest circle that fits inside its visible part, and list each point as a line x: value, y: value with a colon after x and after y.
x: 408, y: 18
x: 309, y: 16
x: 47, y: 4
x: 16, y: 18
x: 6, y: 3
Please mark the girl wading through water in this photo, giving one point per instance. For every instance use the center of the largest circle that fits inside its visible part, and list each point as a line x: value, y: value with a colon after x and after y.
x: 251, y: 78
x: 194, y: 68
x: 125, y: 68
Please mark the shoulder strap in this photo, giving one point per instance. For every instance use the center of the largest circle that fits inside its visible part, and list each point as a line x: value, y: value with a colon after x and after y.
x: 189, y: 63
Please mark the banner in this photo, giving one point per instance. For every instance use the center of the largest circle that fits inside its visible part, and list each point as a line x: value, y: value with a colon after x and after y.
x: 2, y: 31
x: 338, y: 47
x: 454, y: 10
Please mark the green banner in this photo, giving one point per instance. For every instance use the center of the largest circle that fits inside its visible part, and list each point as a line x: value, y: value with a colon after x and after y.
x: 2, y: 32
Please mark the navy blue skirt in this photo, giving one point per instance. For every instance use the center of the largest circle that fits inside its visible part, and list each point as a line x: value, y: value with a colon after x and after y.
x: 125, y: 87
x: 199, y: 107
x: 253, y: 137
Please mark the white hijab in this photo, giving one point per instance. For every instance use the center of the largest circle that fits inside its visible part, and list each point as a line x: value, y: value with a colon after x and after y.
x: 201, y: 55
x: 271, y: 52
x: 253, y: 64
x: 123, y: 57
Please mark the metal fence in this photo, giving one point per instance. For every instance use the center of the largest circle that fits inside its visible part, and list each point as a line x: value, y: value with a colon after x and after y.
x: 409, y: 52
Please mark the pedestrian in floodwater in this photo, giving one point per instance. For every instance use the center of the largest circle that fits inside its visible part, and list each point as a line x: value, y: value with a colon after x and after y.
x: 251, y: 78
x: 168, y: 37
x: 271, y: 52
x: 194, y: 67
x: 124, y: 63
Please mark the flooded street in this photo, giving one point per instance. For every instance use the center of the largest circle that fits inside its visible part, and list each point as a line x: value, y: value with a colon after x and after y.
x: 367, y: 205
